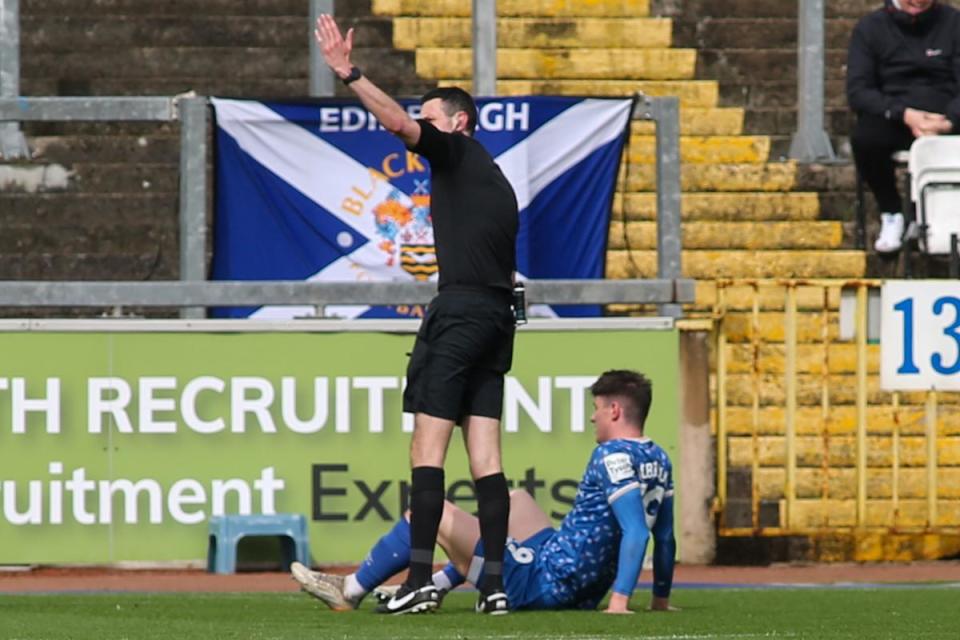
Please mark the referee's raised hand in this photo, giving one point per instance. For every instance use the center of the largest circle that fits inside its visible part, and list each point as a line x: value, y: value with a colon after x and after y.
x: 335, y: 48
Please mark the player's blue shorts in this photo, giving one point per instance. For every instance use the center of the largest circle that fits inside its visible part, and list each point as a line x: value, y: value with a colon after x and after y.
x: 524, y: 574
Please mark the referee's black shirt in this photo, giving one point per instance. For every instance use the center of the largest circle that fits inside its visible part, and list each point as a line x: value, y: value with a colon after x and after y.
x: 473, y: 209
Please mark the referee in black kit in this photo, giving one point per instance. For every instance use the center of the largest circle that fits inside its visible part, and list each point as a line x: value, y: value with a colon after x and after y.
x: 465, y: 343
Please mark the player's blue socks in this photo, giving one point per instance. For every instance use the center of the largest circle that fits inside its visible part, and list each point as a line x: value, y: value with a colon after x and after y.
x: 390, y: 555
x: 664, y: 550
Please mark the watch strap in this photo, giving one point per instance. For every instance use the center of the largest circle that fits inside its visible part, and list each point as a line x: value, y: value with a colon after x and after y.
x: 355, y: 74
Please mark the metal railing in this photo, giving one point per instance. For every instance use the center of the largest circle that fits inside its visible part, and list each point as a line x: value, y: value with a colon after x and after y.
x: 665, y: 113
x: 13, y: 145
x: 320, y: 294
x: 670, y: 291
x: 192, y: 114
x: 870, y: 507
x: 484, y: 47
x: 810, y: 143
x: 321, y: 77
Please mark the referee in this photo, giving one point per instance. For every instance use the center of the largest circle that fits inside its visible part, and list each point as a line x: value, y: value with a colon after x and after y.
x: 465, y: 342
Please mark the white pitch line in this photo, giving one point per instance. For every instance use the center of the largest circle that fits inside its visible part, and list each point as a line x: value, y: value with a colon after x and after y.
x: 553, y: 636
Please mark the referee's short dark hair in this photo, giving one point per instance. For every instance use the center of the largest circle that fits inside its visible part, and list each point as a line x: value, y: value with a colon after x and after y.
x: 455, y: 99
x: 633, y: 389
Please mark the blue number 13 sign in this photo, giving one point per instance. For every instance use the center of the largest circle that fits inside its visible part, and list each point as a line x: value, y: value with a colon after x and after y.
x: 920, y: 335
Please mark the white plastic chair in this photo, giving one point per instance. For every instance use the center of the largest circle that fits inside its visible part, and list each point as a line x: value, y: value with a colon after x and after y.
x: 934, y: 167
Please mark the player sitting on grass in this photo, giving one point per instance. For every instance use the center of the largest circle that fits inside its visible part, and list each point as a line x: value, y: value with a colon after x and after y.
x: 625, y: 493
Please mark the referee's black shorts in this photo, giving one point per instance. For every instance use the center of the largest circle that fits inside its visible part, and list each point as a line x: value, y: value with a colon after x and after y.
x: 463, y: 349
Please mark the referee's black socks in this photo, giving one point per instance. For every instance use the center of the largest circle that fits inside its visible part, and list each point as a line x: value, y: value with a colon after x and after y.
x: 426, y: 509
x: 493, y: 507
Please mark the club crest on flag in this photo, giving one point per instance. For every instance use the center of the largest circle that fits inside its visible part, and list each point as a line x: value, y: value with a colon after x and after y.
x: 406, y: 232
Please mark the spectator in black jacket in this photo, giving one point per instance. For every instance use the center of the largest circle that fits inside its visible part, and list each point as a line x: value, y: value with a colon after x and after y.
x: 903, y: 77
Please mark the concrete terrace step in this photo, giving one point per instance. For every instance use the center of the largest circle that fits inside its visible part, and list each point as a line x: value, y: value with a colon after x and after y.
x: 530, y: 8
x: 839, y: 483
x: 139, y: 8
x: 733, y: 235
x: 730, y: 207
x: 104, y: 238
x: 605, y: 64
x: 813, y: 326
x: 903, y: 515
x: 706, y: 149
x: 155, y: 265
x: 811, y: 358
x: 166, y: 86
x: 811, y: 452
x: 726, y: 121
x: 771, y: 176
x: 732, y: 33
x: 109, y: 148
x: 124, y: 178
x: 707, y: 265
x: 739, y: 65
x: 87, y: 209
x: 738, y: 301
x: 236, y: 63
x: 841, y: 389
x: 692, y: 93
x: 70, y: 34
x: 575, y: 33
x: 146, y: 62
x: 740, y: 297
x: 907, y: 419
x: 220, y: 85
x: 771, y: 8
x: 225, y: 71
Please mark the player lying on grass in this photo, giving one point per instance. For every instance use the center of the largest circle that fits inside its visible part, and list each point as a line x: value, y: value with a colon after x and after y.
x: 625, y: 494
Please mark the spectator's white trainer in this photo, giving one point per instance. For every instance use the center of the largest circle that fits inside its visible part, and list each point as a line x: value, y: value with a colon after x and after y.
x: 326, y: 587
x: 891, y: 233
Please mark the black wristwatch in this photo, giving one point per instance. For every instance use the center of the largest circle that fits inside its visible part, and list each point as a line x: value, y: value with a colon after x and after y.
x: 355, y: 74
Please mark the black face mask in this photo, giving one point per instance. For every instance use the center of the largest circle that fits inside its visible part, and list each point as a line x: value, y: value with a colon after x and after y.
x: 919, y: 21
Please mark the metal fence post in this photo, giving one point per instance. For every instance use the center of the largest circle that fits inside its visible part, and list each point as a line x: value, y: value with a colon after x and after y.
x: 193, y: 194
x: 666, y: 113
x: 484, y: 47
x: 810, y: 142
x: 321, y: 76
x: 12, y: 143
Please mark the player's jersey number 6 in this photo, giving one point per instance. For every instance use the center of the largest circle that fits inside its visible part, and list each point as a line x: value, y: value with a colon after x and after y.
x: 521, y: 555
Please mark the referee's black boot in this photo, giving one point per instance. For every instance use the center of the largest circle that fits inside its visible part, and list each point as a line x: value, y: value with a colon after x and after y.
x: 493, y: 603
x: 409, y: 599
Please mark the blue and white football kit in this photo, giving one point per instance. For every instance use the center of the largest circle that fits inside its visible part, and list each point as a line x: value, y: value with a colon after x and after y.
x: 625, y: 494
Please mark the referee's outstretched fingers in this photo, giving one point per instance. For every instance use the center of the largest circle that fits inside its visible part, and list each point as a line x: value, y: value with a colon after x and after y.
x: 336, y: 50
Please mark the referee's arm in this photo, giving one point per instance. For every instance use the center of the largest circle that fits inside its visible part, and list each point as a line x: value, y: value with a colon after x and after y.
x: 336, y: 53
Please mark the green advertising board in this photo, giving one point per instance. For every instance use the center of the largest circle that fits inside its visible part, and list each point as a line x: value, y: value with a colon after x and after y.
x: 119, y: 445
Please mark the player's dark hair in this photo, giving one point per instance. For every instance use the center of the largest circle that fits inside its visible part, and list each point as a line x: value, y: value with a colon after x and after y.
x: 455, y: 99
x: 631, y: 388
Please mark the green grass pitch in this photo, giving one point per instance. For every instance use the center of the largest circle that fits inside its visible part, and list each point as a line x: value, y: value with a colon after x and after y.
x: 888, y: 612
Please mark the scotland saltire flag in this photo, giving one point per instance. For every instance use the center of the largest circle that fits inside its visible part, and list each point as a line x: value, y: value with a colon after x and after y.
x: 319, y: 191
